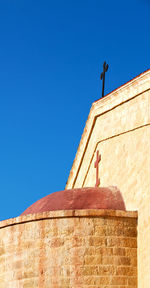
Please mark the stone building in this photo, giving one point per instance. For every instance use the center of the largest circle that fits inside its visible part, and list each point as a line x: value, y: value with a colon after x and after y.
x: 119, y: 127
x: 87, y: 237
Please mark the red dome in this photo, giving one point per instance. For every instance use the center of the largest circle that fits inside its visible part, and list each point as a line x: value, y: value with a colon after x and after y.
x: 80, y: 198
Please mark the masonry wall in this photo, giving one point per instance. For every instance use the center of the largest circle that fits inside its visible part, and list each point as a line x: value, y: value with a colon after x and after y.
x: 69, y: 249
x: 119, y: 127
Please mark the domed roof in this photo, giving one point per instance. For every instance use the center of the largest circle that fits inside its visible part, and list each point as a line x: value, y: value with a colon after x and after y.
x: 79, y: 198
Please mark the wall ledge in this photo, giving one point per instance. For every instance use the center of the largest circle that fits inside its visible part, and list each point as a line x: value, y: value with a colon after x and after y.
x: 67, y: 214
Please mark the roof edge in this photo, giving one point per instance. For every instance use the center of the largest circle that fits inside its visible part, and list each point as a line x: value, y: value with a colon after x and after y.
x: 123, y: 85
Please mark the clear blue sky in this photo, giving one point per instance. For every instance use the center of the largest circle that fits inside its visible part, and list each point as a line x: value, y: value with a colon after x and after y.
x: 51, y: 57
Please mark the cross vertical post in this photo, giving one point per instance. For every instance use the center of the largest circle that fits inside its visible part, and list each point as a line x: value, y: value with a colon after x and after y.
x: 96, y: 165
x: 105, y: 68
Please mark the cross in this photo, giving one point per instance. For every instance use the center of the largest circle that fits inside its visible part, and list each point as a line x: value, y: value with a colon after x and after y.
x: 98, y: 159
x: 105, y: 68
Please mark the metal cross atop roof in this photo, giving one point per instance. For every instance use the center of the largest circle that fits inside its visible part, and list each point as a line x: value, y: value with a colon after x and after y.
x: 105, y: 68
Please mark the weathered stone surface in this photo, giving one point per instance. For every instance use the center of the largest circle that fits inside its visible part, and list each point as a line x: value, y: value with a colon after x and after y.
x: 119, y: 127
x: 84, y: 198
x: 69, y: 249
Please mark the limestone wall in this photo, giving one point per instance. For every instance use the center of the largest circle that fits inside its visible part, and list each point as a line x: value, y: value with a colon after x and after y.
x: 69, y: 249
x: 119, y: 127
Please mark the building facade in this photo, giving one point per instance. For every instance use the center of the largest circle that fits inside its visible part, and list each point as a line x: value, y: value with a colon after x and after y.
x: 118, y: 126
